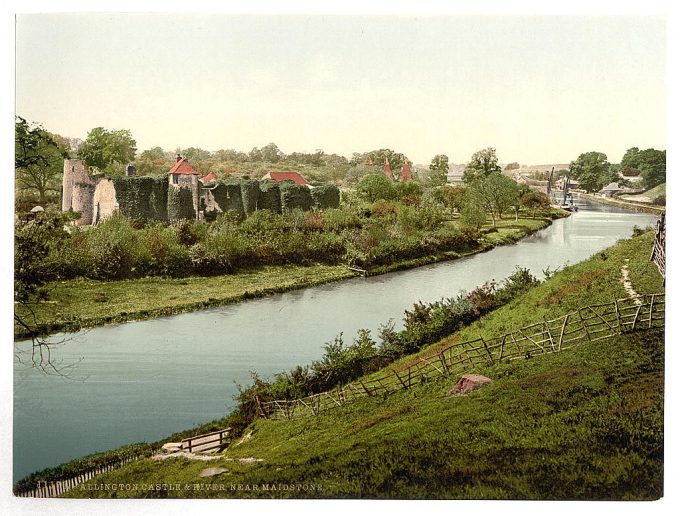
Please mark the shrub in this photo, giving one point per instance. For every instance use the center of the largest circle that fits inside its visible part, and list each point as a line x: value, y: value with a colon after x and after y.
x: 115, y: 249
x: 169, y: 256
x: 659, y: 200
x: 263, y: 221
x: 382, y: 208
x: 336, y: 219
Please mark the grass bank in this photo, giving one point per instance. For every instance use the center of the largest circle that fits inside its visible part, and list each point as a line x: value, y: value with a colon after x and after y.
x: 83, y: 303
x: 586, y: 423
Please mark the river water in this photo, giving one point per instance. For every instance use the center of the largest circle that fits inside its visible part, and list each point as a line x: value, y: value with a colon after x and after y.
x: 143, y: 381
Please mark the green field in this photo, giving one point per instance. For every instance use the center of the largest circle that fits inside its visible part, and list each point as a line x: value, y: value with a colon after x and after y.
x: 586, y: 423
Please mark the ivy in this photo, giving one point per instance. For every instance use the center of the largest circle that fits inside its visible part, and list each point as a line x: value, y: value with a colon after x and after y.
x: 142, y: 198
x: 270, y: 196
x: 295, y: 196
x: 180, y: 204
x: 326, y: 196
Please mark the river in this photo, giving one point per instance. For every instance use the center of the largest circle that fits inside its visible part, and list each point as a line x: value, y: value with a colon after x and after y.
x: 143, y: 381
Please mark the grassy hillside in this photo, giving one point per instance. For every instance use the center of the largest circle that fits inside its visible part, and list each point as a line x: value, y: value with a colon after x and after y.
x: 647, y: 196
x: 586, y: 423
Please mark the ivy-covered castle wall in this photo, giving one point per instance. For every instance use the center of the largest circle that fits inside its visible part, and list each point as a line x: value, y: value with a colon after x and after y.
x: 182, y: 197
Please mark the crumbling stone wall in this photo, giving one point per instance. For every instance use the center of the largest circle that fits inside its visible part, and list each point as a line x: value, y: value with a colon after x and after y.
x: 104, y: 201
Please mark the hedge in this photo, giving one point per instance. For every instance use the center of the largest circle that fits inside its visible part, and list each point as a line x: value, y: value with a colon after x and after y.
x: 270, y: 196
x: 326, y: 196
x: 295, y: 196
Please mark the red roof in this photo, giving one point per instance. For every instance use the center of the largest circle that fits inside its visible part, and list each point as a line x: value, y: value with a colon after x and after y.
x: 406, y: 174
x: 387, y: 169
x: 279, y: 177
x: 209, y: 177
x: 182, y: 167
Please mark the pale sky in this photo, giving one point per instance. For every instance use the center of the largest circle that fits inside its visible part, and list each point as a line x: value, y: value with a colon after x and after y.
x: 538, y: 89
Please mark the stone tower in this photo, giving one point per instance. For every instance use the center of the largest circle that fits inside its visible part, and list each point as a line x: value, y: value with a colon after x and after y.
x: 78, y: 190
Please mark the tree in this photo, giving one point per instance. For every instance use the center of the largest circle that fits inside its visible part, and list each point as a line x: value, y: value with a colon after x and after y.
x: 271, y: 153
x: 512, y: 166
x: 439, y: 169
x: 195, y: 154
x: 482, y: 164
x: 535, y: 200
x: 33, y: 242
x: 494, y: 194
x: 453, y: 197
x: 376, y: 186
x: 649, y: 163
x: 38, y: 159
x: 592, y: 171
x: 103, y: 147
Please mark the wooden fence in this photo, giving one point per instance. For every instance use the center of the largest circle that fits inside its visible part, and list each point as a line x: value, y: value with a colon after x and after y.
x: 659, y: 249
x: 587, y: 324
x: 207, y: 442
x: 56, y: 488
x: 199, y: 443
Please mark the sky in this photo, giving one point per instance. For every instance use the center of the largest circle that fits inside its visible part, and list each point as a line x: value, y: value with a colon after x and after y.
x: 539, y: 89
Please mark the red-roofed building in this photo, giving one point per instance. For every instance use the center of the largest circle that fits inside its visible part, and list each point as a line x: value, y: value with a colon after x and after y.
x: 406, y: 173
x: 280, y: 177
x: 182, y: 167
x: 387, y: 169
x: 209, y: 178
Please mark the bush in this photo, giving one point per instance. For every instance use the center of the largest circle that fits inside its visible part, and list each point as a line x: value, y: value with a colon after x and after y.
x: 169, y: 255
x: 115, y: 250
x: 659, y: 200
x: 382, y: 208
x: 336, y: 219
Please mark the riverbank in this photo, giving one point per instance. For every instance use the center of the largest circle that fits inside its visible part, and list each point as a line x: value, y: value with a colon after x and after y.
x: 545, y: 428
x: 629, y: 205
x: 85, y: 303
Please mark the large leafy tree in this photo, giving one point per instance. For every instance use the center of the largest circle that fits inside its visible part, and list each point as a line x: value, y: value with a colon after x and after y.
x: 649, y: 163
x: 104, y: 147
x: 375, y: 186
x: 38, y: 159
x: 494, y: 194
x: 481, y: 165
x: 592, y: 171
x: 439, y: 169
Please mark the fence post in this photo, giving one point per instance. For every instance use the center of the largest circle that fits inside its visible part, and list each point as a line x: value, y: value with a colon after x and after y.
x: 488, y: 351
x: 651, y: 310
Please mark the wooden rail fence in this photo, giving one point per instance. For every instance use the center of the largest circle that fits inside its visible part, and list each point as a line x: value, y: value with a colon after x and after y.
x: 206, y: 442
x: 196, y: 444
x: 587, y: 324
x: 56, y: 488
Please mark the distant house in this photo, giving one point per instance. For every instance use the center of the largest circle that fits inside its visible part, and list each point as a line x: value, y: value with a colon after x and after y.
x: 209, y: 178
x: 406, y: 173
x: 611, y: 190
x: 181, y: 168
x: 280, y: 177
